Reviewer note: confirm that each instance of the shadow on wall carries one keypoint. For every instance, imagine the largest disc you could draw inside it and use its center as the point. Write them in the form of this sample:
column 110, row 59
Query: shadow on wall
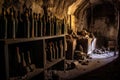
column 104, row 32
column 102, row 21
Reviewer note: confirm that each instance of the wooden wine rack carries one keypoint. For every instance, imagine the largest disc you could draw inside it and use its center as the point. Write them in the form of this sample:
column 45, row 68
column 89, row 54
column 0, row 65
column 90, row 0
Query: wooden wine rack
column 36, row 63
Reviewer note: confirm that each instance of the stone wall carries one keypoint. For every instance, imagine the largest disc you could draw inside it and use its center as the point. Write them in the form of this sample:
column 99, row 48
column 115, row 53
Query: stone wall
column 103, row 22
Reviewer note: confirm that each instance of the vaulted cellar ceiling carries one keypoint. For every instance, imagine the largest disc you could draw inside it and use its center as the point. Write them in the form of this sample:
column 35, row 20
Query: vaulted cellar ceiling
column 58, row 7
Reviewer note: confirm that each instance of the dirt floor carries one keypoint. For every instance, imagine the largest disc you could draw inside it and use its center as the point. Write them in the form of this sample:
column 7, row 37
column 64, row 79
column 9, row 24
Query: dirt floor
column 110, row 71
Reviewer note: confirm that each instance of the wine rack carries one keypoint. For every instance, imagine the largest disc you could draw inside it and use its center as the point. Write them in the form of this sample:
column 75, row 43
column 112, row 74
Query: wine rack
column 26, row 58
column 30, row 44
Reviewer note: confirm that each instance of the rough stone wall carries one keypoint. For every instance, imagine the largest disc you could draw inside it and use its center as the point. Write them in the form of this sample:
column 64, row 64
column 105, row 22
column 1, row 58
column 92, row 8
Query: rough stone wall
column 81, row 17
column 105, row 23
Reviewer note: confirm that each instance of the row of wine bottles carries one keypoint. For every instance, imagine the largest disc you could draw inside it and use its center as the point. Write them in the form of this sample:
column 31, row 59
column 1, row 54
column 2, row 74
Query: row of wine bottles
column 21, row 63
column 14, row 24
column 54, row 50
column 24, row 59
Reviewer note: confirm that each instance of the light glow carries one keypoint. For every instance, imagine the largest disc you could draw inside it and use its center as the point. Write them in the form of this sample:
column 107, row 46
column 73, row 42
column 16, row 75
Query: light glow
column 74, row 6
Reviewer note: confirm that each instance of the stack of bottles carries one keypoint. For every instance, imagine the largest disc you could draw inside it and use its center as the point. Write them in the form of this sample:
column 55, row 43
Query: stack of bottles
column 23, row 62
column 28, row 24
column 54, row 50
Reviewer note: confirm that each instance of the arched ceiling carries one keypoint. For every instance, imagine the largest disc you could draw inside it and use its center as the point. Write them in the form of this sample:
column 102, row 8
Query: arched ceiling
column 88, row 3
column 58, row 7
column 74, row 6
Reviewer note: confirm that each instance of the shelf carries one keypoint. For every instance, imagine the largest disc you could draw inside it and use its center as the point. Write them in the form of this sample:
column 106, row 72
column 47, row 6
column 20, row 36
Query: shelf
column 53, row 62
column 30, row 50
column 51, row 37
column 34, row 73
column 29, row 75
column 19, row 40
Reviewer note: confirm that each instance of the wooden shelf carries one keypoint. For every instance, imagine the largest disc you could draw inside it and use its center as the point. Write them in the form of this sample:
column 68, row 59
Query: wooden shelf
column 32, row 74
column 19, row 40
column 53, row 62
column 51, row 37
column 25, row 49
column 28, row 75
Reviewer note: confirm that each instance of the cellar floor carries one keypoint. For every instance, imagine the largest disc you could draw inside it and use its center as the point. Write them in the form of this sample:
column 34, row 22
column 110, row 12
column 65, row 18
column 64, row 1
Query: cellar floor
column 100, row 67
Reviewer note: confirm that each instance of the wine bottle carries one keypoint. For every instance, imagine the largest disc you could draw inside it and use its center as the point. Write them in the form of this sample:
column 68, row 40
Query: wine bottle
column 23, row 60
column 53, row 50
column 44, row 25
column 40, row 26
column 26, row 25
column 18, row 55
column 30, row 65
column 3, row 25
column 48, row 26
column 65, row 27
column 61, row 48
column 62, row 27
column 52, row 26
column 31, row 19
column 55, row 25
column 19, row 67
column 56, row 50
column 50, row 51
column 16, row 24
column 20, row 27
column 11, row 24
column 35, row 25
column 29, row 58
column 47, row 52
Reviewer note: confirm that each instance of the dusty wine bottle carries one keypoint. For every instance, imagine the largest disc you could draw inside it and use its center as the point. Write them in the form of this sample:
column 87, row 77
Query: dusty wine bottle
column 18, row 55
column 35, row 25
column 56, row 50
column 47, row 52
column 3, row 25
column 20, row 27
column 25, row 63
column 40, row 26
column 44, row 25
column 16, row 23
column 61, row 48
column 53, row 50
column 52, row 26
column 31, row 19
column 29, row 57
column 11, row 24
column 19, row 66
column 50, row 50
column 62, row 27
column 26, row 25
column 55, row 27
column 30, row 65
column 23, row 60
column 48, row 26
